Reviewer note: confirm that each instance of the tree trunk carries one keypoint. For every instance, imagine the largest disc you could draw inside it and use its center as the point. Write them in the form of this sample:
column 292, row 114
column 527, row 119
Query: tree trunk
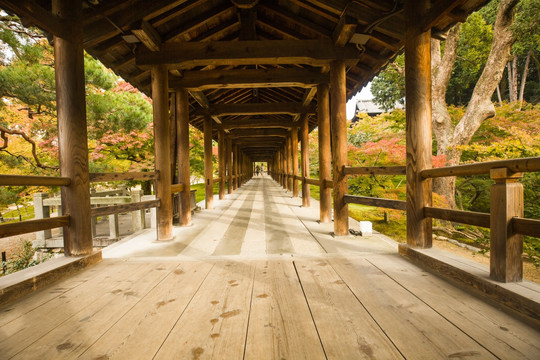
column 480, row 107
column 499, row 94
column 524, row 77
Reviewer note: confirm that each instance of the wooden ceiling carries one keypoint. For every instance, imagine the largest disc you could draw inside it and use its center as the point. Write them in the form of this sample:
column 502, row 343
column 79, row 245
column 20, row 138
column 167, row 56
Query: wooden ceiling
column 199, row 40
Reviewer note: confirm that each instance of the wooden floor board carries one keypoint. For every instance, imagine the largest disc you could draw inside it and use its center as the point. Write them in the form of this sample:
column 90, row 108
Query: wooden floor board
column 141, row 331
column 22, row 332
column 417, row 330
column 504, row 335
column 346, row 329
column 71, row 339
column 214, row 324
column 280, row 324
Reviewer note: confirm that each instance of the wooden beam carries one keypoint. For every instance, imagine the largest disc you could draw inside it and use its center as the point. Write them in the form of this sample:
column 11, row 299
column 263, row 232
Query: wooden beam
column 72, row 131
column 252, row 78
column 32, row 13
column 344, row 30
column 182, row 139
column 147, row 35
column 437, row 11
column 25, row 227
column 247, row 18
column 338, row 121
column 418, row 117
column 257, row 109
column 160, row 104
column 202, row 100
column 309, row 94
column 258, row 132
column 26, row 180
column 309, row 52
column 257, row 123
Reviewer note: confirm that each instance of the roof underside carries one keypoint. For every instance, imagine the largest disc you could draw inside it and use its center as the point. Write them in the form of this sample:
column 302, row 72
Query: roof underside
column 375, row 29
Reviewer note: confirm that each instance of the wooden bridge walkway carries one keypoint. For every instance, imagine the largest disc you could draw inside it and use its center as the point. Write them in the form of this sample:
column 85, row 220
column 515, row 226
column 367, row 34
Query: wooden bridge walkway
column 258, row 278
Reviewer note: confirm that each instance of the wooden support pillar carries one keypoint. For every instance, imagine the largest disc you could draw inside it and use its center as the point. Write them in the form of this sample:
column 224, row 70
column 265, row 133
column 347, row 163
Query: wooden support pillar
column 221, row 163
column 305, row 160
column 208, row 164
column 160, row 104
column 229, row 166
column 294, row 153
column 235, row 167
column 325, row 163
column 506, row 251
column 289, row 164
column 72, row 133
column 184, row 173
column 339, row 145
column 418, row 122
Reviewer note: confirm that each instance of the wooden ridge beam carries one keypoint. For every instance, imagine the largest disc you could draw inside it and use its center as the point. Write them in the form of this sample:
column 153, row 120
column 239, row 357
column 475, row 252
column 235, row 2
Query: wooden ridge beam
column 189, row 54
column 252, row 78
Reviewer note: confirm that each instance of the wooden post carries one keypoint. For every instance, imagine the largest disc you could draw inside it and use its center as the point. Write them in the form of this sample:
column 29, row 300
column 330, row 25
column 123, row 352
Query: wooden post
column 339, row 145
column 221, row 163
column 184, row 173
column 305, row 160
column 160, row 104
column 72, row 133
column 229, row 166
column 418, row 122
column 208, row 164
column 294, row 151
column 325, row 172
column 235, row 167
column 506, row 195
column 289, row 164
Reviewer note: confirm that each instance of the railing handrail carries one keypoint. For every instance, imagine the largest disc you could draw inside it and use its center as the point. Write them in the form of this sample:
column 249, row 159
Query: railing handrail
column 375, row 170
column 30, row 180
column 516, row 165
column 29, row 226
column 127, row 176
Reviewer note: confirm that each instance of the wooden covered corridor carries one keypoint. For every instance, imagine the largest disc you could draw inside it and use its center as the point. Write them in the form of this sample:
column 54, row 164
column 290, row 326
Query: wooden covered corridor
column 255, row 275
column 285, row 290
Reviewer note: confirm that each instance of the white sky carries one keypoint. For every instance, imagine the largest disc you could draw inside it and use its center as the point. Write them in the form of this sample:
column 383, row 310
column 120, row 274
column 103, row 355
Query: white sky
column 364, row 94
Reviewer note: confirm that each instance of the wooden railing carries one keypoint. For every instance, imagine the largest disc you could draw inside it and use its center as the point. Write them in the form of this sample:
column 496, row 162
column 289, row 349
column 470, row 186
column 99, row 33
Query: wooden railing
column 316, row 182
column 30, row 226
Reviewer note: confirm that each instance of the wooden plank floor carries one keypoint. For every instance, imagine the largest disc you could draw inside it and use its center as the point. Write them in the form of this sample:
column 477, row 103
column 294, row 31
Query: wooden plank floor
column 318, row 298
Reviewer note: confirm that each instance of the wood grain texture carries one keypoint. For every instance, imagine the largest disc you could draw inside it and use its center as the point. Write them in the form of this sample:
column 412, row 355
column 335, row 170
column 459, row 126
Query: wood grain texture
column 24, row 180
column 506, row 247
column 346, row 329
column 415, row 329
column 379, row 202
column 325, row 155
column 418, row 123
column 338, row 94
column 72, row 130
column 182, row 126
column 375, row 170
column 530, row 227
column 215, row 322
column 29, row 226
column 513, row 165
column 463, row 217
column 221, row 163
column 208, row 164
column 304, row 150
column 117, row 209
column 128, row 176
column 280, row 323
column 160, row 105
column 294, row 153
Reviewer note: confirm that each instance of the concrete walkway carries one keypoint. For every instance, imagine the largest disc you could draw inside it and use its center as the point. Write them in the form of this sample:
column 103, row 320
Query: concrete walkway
column 258, row 220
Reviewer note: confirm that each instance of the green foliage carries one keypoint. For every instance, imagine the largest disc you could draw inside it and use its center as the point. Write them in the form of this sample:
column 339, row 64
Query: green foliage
column 473, row 50
column 388, row 88
column 24, row 259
